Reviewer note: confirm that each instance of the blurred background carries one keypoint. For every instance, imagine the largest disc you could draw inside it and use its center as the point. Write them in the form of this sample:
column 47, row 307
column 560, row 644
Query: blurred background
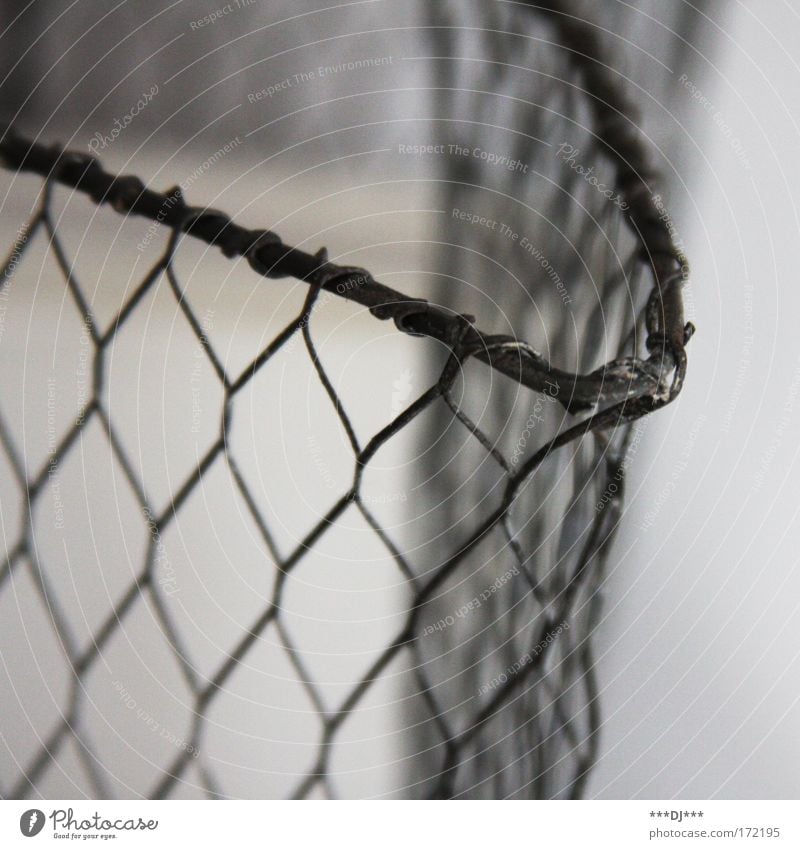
column 306, row 119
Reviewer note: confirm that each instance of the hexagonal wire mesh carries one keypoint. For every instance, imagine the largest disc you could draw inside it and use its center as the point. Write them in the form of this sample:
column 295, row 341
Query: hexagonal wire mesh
column 497, row 585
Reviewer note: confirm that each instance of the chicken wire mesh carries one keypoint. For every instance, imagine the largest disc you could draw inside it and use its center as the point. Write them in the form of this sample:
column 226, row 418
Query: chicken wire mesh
column 489, row 666
column 548, row 231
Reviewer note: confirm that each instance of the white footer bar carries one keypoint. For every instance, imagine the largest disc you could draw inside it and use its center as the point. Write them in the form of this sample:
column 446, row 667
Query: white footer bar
column 402, row 825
